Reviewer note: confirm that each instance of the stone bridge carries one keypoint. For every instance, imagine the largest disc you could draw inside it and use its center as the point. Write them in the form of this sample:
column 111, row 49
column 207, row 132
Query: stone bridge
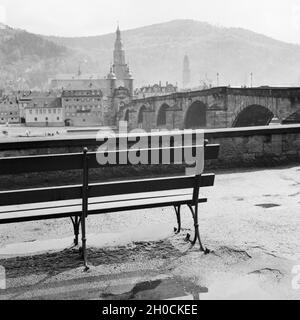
column 219, row 107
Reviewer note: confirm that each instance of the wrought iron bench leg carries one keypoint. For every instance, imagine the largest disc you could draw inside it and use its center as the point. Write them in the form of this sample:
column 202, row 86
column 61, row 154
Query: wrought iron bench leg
column 194, row 212
column 177, row 210
column 85, row 194
column 84, row 253
column 76, row 225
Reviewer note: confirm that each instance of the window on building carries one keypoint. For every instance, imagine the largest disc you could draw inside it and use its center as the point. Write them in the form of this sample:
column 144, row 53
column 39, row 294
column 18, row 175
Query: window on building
column 57, row 118
column 54, row 111
column 35, row 119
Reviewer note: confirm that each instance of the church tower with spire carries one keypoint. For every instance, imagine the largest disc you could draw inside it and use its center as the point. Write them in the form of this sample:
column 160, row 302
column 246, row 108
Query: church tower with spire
column 120, row 83
column 120, row 68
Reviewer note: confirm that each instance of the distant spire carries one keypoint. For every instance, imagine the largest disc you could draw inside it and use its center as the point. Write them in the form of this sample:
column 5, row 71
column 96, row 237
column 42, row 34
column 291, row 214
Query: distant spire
column 79, row 70
column 186, row 72
column 119, row 65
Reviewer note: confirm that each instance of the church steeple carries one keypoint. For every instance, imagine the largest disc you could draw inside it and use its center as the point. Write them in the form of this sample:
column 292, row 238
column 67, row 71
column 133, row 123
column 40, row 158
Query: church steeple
column 120, row 72
column 120, row 66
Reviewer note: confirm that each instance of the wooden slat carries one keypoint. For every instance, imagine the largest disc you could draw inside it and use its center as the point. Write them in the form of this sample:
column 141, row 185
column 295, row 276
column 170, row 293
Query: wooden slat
column 211, row 153
column 76, row 202
column 101, row 189
column 142, row 204
column 48, row 163
column 16, row 197
column 96, row 208
column 44, row 163
column 149, row 185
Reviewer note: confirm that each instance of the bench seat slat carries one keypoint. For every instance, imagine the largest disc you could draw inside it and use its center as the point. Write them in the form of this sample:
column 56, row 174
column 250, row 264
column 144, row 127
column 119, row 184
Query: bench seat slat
column 78, row 202
column 98, row 207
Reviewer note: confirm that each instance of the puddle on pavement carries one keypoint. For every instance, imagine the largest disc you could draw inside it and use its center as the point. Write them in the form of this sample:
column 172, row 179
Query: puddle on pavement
column 161, row 289
column 271, row 195
column 268, row 205
column 294, row 194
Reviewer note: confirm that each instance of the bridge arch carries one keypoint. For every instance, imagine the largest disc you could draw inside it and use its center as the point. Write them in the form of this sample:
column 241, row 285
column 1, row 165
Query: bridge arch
column 196, row 116
column 253, row 115
column 162, row 115
column 294, row 118
column 140, row 118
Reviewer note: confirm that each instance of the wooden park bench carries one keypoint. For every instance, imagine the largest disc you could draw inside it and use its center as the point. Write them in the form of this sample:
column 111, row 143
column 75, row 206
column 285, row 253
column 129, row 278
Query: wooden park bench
column 79, row 201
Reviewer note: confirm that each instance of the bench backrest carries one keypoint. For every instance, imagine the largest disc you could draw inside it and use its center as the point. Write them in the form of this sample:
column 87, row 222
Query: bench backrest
column 85, row 161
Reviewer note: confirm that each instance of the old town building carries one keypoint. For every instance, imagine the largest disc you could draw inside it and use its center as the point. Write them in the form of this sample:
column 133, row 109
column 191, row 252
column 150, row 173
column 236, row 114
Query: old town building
column 45, row 110
column 83, row 106
column 24, row 98
column 9, row 110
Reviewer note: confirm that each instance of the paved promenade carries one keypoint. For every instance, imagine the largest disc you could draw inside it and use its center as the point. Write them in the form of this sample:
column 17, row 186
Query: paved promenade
column 251, row 223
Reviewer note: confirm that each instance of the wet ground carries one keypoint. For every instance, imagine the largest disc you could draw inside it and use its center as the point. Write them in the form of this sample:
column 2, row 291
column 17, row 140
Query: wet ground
column 251, row 223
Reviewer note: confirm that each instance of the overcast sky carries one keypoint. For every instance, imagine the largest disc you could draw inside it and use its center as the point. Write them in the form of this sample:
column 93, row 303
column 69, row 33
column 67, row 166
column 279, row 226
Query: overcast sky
column 276, row 18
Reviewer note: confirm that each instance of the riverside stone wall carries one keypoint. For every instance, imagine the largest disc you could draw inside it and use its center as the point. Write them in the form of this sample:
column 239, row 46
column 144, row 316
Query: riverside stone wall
column 256, row 147
column 239, row 147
